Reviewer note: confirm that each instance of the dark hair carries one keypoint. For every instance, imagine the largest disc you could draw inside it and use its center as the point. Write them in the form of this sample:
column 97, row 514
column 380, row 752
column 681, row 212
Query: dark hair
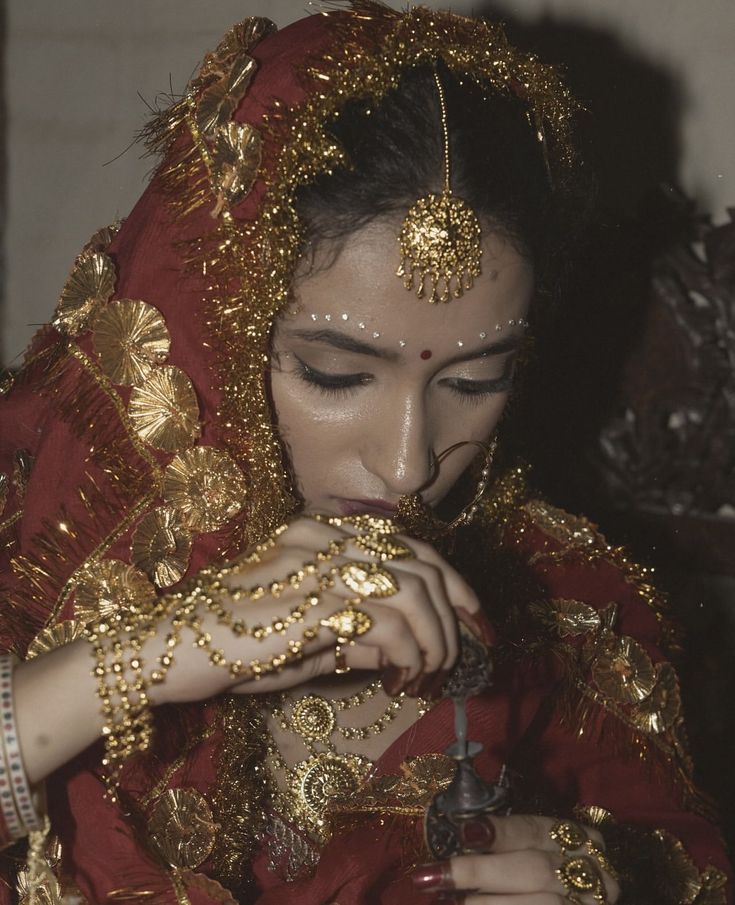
column 396, row 155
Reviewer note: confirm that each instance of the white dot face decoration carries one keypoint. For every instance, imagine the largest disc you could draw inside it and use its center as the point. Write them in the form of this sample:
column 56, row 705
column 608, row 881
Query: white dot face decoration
column 403, row 343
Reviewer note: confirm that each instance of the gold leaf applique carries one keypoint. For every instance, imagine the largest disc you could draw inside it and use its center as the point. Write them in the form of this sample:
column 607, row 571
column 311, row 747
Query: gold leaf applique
column 220, row 100
column 661, row 709
column 165, row 412
column 568, row 617
column 91, row 283
column 55, row 636
column 236, row 158
column 182, row 828
column 130, row 338
column 206, row 486
column 623, row 670
column 161, row 547
column 109, row 587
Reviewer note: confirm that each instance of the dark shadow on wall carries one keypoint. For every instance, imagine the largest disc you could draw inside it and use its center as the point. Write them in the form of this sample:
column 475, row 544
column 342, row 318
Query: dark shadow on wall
column 644, row 331
column 3, row 170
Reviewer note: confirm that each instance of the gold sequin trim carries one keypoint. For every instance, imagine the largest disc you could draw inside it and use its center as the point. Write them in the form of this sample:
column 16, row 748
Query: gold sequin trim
column 165, row 412
column 161, row 546
column 130, row 338
column 206, row 486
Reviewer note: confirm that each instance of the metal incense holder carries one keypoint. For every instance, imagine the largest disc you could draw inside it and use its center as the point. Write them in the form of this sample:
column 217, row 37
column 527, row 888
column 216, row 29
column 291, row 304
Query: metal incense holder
column 453, row 823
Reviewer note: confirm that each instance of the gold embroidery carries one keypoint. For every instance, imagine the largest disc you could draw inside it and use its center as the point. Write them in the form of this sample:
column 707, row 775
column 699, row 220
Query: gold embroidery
column 205, row 486
column 165, row 412
column 182, row 828
column 161, row 547
column 107, row 587
column 130, row 337
column 570, row 530
column 91, row 283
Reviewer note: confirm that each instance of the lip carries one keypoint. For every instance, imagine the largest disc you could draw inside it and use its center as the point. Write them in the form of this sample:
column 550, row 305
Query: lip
column 355, row 507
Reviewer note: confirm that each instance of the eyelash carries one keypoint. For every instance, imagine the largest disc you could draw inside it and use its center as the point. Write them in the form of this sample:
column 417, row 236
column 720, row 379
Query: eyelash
column 469, row 391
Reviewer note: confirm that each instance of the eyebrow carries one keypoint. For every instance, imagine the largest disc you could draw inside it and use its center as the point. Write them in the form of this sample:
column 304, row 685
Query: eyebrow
column 346, row 343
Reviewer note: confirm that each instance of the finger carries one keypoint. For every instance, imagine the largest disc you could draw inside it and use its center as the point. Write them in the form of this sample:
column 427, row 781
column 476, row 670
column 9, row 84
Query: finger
column 435, row 625
column 516, row 873
column 413, row 601
column 524, row 831
column 433, row 579
column 458, row 590
column 394, row 637
column 541, row 898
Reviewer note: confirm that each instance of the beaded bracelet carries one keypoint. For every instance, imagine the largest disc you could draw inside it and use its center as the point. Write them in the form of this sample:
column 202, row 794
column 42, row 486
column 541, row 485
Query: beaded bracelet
column 15, row 793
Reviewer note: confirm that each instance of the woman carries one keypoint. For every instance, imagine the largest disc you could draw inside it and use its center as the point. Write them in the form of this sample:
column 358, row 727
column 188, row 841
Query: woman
column 237, row 375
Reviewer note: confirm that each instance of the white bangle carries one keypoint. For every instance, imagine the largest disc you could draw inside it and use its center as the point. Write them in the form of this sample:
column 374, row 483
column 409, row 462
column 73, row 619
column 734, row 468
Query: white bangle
column 19, row 787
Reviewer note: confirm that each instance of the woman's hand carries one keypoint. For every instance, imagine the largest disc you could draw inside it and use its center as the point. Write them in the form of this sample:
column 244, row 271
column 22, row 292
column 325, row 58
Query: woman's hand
column 413, row 638
column 524, row 866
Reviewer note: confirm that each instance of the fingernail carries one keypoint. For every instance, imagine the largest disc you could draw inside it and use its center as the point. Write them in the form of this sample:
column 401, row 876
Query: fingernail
column 394, row 678
column 478, row 835
column 429, row 877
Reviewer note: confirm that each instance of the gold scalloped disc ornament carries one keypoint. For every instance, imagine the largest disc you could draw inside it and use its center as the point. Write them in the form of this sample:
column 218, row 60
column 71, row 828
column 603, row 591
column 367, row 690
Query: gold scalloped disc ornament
column 182, row 828
column 220, row 100
column 569, row 617
column 108, row 587
column 130, row 338
column 161, row 546
column 236, row 157
column 55, row 636
column 624, row 671
column 206, row 486
column 662, row 708
column 91, row 283
column 324, row 778
column 165, row 412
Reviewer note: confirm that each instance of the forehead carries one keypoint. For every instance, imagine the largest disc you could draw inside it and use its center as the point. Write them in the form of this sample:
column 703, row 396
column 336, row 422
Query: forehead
column 358, row 291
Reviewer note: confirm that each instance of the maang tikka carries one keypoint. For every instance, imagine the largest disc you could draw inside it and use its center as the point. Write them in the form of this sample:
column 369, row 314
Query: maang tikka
column 441, row 237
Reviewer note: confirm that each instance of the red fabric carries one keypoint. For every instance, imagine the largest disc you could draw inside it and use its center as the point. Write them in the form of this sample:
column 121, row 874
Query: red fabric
column 62, row 421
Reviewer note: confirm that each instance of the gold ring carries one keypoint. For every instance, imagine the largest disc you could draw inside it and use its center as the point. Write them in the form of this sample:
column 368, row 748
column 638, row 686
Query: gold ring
column 569, row 836
column 369, row 579
column 382, row 546
column 340, row 661
column 348, row 623
column 601, row 857
column 580, row 875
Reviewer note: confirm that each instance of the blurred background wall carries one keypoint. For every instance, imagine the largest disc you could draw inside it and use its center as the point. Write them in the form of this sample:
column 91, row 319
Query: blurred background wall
column 78, row 75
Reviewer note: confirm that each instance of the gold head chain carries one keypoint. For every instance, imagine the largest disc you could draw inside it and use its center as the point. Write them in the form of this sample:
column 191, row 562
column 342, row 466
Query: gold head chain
column 441, row 237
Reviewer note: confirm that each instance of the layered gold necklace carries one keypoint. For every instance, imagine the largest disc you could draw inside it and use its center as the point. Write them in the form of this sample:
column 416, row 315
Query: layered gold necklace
column 326, row 775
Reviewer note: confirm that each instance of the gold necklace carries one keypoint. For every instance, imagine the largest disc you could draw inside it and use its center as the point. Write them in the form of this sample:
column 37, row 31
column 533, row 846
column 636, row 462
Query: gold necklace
column 326, row 775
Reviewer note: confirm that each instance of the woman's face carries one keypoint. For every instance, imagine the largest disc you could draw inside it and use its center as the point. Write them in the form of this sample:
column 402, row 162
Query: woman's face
column 371, row 383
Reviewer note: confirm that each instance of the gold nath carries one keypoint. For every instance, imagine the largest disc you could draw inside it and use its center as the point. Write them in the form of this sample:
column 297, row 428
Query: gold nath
column 440, row 238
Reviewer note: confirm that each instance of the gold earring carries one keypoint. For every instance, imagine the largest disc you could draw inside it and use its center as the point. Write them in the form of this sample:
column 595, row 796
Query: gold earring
column 417, row 518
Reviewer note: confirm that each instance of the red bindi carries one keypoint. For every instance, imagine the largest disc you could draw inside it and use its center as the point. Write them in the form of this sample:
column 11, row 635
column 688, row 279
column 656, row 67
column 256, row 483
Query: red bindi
column 426, row 354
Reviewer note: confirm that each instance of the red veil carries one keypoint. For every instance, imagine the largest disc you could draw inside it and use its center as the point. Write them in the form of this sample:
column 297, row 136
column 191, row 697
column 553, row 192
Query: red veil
column 138, row 446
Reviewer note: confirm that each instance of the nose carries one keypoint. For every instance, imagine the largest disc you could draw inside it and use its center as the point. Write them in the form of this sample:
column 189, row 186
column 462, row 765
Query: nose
column 398, row 448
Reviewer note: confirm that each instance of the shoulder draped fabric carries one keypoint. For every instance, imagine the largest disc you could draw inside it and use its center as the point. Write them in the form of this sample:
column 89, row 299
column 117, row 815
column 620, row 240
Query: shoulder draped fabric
column 138, row 446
